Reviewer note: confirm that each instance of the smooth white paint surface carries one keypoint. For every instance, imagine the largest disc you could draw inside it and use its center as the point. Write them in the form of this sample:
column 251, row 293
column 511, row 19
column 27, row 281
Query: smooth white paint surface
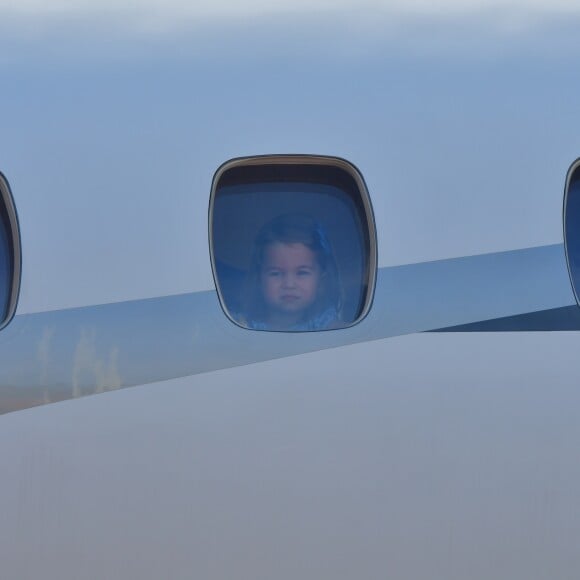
column 440, row 456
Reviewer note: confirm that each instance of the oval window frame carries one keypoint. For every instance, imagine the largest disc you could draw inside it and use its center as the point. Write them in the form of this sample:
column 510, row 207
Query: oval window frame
column 302, row 159
column 7, row 200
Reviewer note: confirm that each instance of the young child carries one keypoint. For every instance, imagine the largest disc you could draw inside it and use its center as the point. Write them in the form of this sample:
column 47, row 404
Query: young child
column 293, row 282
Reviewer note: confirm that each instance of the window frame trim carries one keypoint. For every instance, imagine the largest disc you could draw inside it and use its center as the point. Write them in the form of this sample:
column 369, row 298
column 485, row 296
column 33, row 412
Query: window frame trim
column 302, row 159
column 571, row 171
column 8, row 200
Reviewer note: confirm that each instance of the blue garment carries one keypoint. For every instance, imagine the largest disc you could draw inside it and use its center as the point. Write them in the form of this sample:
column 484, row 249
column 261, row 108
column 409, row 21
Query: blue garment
column 323, row 321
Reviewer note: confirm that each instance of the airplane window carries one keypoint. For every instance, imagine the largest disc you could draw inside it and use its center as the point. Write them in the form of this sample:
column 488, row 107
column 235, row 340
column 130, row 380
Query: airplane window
column 292, row 242
column 572, row 225
column 9, row 255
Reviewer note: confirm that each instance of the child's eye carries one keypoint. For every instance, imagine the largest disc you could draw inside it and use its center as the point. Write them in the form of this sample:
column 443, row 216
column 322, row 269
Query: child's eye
column 304, row 272
column 273, row 273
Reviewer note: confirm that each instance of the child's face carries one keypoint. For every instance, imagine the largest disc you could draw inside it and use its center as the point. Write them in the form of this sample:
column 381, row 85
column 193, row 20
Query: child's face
column 290, row 278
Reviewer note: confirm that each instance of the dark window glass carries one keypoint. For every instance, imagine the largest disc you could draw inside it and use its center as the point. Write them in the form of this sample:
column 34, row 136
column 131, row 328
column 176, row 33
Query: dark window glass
column 5, row 266
column 293, row 243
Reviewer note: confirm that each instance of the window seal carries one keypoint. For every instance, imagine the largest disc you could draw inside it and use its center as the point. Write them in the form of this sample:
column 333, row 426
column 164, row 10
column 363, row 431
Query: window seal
column 7, row 200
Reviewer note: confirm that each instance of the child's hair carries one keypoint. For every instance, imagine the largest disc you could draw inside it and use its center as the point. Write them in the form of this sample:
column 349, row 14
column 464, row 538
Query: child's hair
column 293, row 229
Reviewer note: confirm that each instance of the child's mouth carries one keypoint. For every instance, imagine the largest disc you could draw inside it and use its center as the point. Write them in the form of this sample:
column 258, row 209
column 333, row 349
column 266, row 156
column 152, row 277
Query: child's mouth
column 290, row 298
